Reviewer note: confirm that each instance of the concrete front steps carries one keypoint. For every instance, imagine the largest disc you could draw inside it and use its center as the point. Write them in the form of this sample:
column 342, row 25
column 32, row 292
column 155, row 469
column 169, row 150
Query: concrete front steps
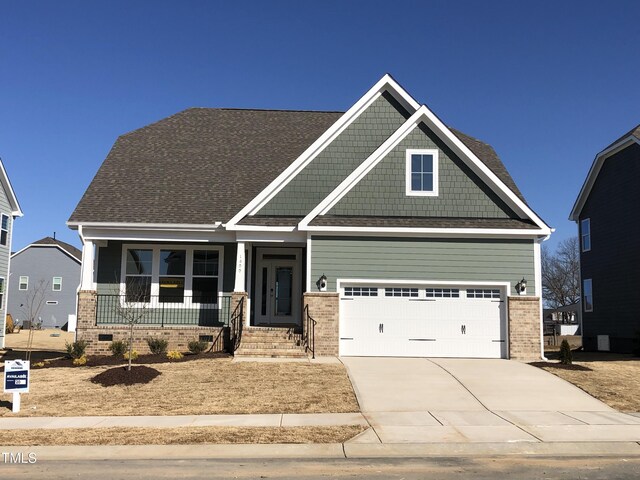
column 270, row 342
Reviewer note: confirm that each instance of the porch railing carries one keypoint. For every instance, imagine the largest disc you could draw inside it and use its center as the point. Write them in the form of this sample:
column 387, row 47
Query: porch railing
column 162, row 311
column 309, row 333
column 235, row 325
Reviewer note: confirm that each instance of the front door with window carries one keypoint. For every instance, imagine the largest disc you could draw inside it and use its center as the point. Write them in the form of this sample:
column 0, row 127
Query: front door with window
column 277, row 287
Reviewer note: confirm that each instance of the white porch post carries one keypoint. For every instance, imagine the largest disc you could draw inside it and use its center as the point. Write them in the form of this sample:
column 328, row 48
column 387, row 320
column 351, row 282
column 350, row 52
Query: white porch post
column 239, row 285
column 88, row 257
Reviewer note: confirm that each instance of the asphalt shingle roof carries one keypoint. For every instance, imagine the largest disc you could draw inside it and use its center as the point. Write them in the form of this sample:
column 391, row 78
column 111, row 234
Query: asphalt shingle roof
column 203, row 165
column 70, row 249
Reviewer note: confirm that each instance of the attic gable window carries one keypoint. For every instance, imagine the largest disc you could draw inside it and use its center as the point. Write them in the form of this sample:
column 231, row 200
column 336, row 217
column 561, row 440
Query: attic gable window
column 422, row 173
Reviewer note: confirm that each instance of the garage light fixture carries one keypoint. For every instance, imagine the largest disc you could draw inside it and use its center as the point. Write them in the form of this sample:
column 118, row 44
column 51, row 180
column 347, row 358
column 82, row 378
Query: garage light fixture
column 521, row 287
column 322, row 283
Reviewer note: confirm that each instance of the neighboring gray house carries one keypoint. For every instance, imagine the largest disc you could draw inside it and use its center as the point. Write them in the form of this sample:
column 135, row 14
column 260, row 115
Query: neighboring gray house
column 380, row 231
column 9, row 210
column 46, row 272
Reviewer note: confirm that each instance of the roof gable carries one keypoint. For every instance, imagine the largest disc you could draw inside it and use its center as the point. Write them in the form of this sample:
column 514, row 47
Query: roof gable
column 382, row 191
column 627, row 140
column 67, row 249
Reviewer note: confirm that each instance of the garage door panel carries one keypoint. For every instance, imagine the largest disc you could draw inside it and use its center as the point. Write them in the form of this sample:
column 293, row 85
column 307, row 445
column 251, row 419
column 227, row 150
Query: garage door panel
column 437, row 322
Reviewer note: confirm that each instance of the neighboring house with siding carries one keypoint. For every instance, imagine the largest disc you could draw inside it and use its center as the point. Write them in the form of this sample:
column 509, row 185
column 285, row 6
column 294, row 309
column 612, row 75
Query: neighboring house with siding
column 606, row 214
column 379, row 231
column 9, row 211
column 46, row 272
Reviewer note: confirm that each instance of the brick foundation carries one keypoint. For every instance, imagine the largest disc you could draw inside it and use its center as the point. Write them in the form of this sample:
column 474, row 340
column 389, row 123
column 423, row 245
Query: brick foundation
column 524, row 328
column 323, row 307
column 177, row 337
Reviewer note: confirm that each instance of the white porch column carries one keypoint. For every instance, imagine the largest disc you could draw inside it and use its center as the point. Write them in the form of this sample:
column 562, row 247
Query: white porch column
column 88, row 257
column 239, row 285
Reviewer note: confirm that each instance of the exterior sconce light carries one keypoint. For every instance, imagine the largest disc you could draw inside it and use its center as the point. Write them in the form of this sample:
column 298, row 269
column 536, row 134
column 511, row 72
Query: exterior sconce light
column 322, row 283
column 521, row 287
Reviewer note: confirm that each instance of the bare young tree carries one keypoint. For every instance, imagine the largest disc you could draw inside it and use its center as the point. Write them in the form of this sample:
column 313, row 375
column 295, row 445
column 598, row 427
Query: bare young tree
column 132, row 305
column 561, row 274
column 31, row 308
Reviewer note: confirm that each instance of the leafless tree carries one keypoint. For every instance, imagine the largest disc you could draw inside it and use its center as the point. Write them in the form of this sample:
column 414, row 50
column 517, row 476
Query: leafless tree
column 561, row 274
column 132, row 305
column 31, row 308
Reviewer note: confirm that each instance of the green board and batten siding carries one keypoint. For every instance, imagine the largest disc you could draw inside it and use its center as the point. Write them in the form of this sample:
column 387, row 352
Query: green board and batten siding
column 382, row 192
column 463, row 260
column 359, row 140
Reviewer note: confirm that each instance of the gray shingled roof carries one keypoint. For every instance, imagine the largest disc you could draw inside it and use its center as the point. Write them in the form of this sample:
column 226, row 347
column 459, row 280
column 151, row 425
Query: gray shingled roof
column 203, row 165
column 70, row 249
column 635, row 131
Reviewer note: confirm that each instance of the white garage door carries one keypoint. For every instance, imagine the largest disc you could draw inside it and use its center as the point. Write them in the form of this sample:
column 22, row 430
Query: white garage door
column 423, row 321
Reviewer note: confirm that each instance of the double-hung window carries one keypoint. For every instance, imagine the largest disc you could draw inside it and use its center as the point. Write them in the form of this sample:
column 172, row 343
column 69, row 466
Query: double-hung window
column 138, row 275
column 204, row 285
column 422, row 173
column 56, row 284
column 585, row 234
column 172, row 275
column 23, row 284
column 1, row 292
column 587, row 295
column 4, row 229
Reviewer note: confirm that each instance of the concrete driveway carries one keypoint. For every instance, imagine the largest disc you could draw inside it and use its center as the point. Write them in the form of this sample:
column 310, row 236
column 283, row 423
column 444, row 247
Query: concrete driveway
column 430, row 384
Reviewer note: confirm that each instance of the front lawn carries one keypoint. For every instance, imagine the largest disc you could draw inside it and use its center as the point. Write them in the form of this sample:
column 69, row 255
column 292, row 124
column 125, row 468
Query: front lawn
column 611, row 378
column 197, row 387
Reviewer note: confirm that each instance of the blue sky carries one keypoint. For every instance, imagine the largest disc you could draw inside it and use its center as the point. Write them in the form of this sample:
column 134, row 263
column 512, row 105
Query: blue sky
column 547, row 83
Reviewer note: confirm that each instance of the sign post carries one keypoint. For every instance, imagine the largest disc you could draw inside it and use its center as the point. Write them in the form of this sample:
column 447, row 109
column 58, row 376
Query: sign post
column 16, row 380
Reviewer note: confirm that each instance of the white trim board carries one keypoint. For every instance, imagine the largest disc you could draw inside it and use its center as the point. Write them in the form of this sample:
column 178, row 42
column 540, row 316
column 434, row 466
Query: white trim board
column 424, row 115
column 11, row 195
column 386, row 83
column 592, row 176
column 39, row 245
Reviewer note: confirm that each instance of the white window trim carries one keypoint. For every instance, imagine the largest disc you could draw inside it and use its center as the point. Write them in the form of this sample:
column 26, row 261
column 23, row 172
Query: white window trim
column 413, row 193
column 155, row 273
column 584, row 303
column 2, row 215
column 53, row 284
column 20, row 282
column 582, row 235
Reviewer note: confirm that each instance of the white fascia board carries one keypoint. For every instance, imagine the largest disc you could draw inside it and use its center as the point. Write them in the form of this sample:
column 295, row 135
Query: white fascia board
column 260, row 228
column 423, row 114
column 386, row 83
column 16, row 211
column 134, row 235
column 147, row 226
column 38, row 245
column 440, row 232
column 378, row 281
column 272, row 237
column 596, row 166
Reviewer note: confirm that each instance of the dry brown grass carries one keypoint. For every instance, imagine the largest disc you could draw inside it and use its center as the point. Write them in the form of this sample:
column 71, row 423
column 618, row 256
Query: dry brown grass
column 179, row 436
column 42, row 340
column 207, row 386
column 614, row 379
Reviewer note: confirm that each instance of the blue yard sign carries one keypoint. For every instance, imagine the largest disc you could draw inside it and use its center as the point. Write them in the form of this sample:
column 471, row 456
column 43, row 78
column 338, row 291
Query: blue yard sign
column 16, row 376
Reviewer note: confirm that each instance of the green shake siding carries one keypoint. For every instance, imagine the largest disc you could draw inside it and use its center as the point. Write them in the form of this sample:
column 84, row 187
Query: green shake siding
column 423, row 259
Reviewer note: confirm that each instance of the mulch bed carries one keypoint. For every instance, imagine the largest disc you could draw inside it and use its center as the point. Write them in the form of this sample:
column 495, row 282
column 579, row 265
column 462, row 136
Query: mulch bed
column 560, row 366
column 106, row 360
column 121, row 376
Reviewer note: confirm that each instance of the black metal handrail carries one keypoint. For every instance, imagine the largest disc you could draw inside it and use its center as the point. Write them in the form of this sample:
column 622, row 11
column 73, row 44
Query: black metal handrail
column 162, row 310
column 235, row 323
column 309, row 333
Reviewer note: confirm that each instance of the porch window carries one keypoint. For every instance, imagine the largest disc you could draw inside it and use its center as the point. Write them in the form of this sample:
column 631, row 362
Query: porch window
column 172, row 275
column 205, row 276
column 138, row 278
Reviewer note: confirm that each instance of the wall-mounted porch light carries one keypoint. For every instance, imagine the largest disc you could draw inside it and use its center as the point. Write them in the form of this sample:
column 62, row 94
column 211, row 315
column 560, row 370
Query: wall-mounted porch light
column 322, row 283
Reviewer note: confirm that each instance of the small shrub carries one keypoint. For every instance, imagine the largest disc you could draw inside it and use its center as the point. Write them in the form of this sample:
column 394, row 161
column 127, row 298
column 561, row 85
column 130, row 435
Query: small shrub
column 174, row 355
column 134, row 355
column 158, row 346
column 76, row 349
column 39, row 364
column 566, row 358
column 9, row 326
column 78, row 362
column 118, row 348
column 197, row 346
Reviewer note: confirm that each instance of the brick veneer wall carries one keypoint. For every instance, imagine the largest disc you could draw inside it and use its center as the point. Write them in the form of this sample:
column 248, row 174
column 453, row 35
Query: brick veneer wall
column 524, row 328
column 177, row 337
column 323, row 307
column 235, row 299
